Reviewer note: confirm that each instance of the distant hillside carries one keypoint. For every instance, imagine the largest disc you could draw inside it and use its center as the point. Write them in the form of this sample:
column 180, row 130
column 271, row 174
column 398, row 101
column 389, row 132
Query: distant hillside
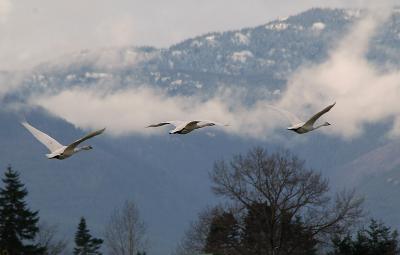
column 376, row 174
column 380, row 160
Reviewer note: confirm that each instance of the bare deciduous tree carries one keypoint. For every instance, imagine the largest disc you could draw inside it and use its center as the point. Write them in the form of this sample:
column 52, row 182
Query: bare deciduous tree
column 194, row 239
column 283, row 183
column 125, row 232
column 46, row 238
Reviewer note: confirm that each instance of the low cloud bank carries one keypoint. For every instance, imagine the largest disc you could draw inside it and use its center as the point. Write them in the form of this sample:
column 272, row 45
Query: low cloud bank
column 130, row 111
column 363, row 94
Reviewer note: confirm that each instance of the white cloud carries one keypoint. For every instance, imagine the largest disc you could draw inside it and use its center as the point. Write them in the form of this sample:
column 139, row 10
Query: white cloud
column 10, row 82
column 363, row 94
column 128, row 112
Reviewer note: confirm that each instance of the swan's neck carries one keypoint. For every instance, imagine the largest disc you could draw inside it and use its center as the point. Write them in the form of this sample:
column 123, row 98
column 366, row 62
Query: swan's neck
column 201, row 125
column 83, row 148
column 319, row 126
column 78, row 149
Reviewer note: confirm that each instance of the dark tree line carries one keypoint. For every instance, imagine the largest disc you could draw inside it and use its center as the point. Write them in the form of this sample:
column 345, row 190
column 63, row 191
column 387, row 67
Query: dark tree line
column 20, row 230
column 278, row 206
column 226, row 235
column 375, row 239
column 22, row 234
column 18, row 224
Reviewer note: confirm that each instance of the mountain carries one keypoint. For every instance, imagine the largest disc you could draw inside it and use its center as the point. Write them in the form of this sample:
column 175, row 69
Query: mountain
column 375, row 162
column 376, row 174
column 258, row 57
column 168, row 175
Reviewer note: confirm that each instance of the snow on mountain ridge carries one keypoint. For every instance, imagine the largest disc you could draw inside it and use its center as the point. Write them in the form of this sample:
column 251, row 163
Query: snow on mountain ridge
column 241, row 56
column 208, row 60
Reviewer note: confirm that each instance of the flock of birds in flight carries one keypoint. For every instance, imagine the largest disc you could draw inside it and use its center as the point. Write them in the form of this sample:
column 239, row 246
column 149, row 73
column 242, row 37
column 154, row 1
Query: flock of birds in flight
column 59, row 151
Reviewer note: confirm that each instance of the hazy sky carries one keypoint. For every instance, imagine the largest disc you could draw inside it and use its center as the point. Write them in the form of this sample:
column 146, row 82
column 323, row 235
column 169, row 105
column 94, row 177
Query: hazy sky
column 36, row 30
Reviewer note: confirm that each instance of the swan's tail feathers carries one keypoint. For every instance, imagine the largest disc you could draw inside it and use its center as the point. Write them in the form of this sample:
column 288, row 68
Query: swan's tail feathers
column 51, row 155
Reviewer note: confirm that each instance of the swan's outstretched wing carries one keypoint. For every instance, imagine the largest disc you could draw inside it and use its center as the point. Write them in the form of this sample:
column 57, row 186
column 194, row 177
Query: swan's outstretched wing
column 189, row 123
column 172, row 122
column 180, row 125
column 45, row 139
column 314, row 118
column 208, row 123
column 293, row 119
column 158, row 124
column 86, row 137
column 193, row 124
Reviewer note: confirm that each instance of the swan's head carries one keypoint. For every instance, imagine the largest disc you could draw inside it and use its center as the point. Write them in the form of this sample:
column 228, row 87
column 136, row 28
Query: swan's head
column 326, row 124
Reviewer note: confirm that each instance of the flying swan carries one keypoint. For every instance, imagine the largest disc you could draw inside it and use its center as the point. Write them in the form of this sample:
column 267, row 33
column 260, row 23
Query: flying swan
column 302, row 127
column 184, row 127
column 57, row 150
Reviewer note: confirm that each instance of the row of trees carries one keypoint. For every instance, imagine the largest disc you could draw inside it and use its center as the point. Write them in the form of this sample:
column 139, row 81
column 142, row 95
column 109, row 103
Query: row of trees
column 21, row 233
column 277, row 206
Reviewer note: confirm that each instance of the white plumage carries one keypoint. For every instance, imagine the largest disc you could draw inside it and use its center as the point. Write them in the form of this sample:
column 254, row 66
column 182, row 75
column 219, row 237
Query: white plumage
column 184, row 127
column 57, row 150
column 302, row 127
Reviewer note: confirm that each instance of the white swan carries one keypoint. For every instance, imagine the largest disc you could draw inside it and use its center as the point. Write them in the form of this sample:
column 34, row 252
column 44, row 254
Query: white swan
column 57, row 150
column 184, row 127
column 302, row 127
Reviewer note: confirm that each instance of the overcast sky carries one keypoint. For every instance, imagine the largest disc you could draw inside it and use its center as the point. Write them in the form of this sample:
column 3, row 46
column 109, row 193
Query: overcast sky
column 36, row 30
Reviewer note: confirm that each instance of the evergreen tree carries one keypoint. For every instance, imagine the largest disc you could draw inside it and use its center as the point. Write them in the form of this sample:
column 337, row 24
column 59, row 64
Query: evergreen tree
column 295, row 238
column 18, row 224
column 248, row 233
column 85, row 244
column 377, row 239
column 223, row 237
